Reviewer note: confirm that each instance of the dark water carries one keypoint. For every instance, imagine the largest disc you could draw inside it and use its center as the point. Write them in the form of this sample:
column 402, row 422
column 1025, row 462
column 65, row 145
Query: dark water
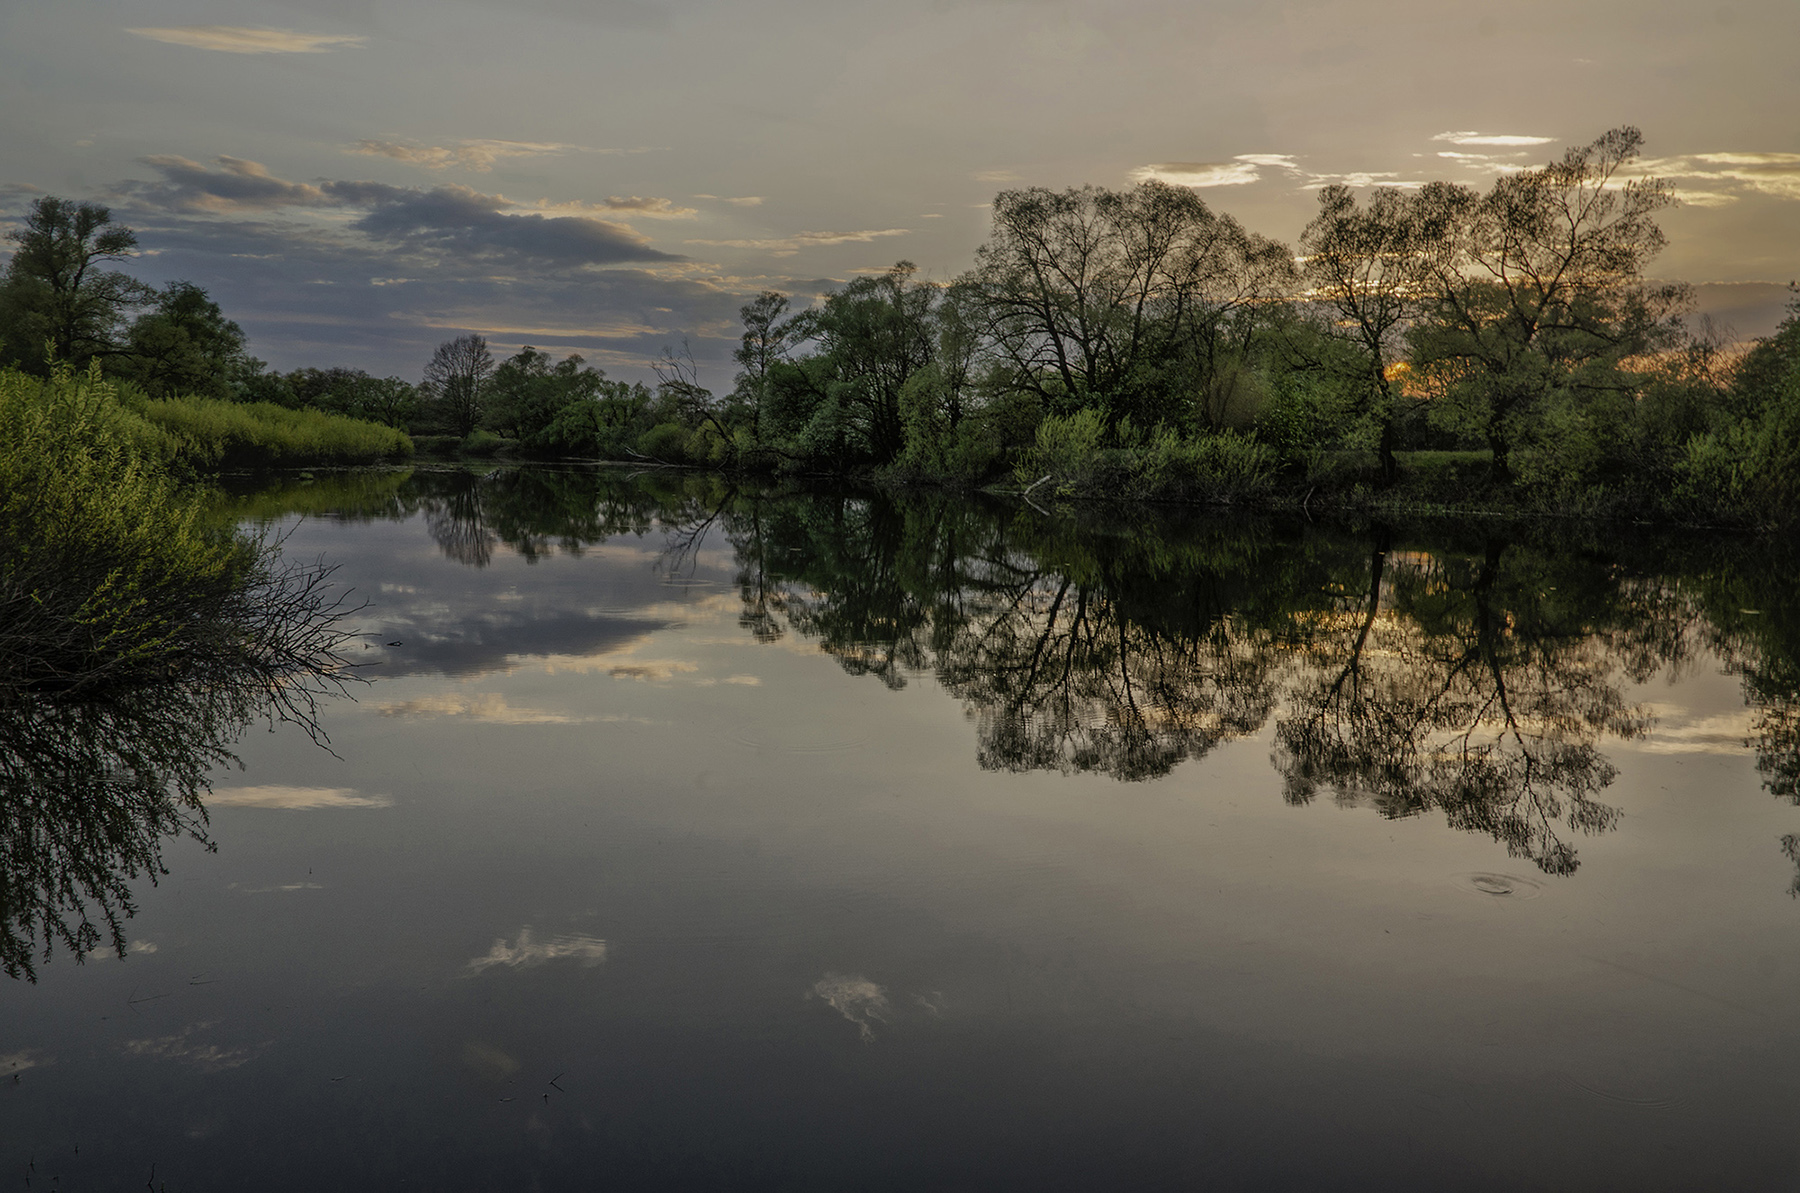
column 690, row 838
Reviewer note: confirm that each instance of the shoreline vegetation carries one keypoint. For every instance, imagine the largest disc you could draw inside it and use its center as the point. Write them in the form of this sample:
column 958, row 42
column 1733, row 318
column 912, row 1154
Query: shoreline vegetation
column 1433, row 351
column 139, row 638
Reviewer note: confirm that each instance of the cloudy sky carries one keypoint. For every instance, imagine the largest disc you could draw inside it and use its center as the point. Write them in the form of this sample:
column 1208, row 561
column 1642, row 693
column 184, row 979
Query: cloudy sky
column 356, row 180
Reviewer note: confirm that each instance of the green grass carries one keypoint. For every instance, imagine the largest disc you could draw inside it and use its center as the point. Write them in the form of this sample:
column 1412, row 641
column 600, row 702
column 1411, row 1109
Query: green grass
column 211, row 434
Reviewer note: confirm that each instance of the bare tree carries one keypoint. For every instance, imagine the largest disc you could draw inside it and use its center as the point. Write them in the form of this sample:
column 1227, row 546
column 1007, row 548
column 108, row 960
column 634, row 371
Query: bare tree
column 456, row 380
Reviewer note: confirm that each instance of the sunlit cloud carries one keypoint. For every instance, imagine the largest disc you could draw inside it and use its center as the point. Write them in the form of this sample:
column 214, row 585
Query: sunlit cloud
column 472, row 155
column 627, row 205
column 856, row 998
column 1497, row 139
column 527, row 953
column 1776, row 174
column 1198, row 174
column 739, row 200
column 786, row 246
column 995, row 176
column 294, row 799
column 1241, row 170
column 240, row 39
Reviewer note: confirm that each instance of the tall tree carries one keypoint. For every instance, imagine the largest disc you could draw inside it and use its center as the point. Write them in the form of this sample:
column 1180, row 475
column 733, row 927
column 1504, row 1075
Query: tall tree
column 768, row 337
column 1125, row 300
column 456, row 380
column 1537, row 288
column 185, row 345
column 54, row 290
column 1366, row 268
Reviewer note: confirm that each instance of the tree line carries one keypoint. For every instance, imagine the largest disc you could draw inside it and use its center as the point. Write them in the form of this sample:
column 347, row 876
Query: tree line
column 1447, row 344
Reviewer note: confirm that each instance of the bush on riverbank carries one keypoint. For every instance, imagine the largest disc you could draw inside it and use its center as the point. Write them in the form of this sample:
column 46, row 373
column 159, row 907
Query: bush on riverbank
column 108, row 571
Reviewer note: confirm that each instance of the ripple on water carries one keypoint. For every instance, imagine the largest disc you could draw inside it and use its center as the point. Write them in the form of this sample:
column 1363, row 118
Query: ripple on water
column 1499, row 886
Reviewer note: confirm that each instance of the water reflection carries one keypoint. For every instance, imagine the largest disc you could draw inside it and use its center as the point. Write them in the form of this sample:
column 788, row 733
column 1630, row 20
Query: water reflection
column 1480, row 675
column 92, row 787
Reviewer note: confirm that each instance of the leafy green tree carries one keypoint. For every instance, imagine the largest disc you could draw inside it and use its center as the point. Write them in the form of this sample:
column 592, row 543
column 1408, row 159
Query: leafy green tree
column 531, row 388
column 185, row 345
column 767, row 340
column 55, row 290
column 844, row 404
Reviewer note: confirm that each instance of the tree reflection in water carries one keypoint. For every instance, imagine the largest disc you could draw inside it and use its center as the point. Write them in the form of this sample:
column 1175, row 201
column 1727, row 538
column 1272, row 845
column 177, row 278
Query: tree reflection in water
column 1474, row 677
column 92, row 786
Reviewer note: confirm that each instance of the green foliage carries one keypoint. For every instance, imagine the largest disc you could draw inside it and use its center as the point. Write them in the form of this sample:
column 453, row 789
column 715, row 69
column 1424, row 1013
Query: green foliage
column 104, row 560
column 185, row 345
column 53, row 294
column 214, row 434
column 665, row 443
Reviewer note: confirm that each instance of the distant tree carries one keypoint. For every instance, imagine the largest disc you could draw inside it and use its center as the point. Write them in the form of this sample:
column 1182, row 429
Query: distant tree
column 185, row 345
column 456, row 382
column 54, row 291
column 531, row 388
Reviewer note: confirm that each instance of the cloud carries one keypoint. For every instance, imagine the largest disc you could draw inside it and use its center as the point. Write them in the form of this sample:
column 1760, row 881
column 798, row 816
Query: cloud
column 240, row 39
column 1498, row 139
column 856, row 998
column 488, row 707
column 18, row 1062
column 1776, row 174
column 463, row 221
column 237, row 185
column 653, row 670
column 527, row 953
column 208, row 1058
column 631, row 205
column 740, row 200
column 1198, row 174
column 995, row 176
column 1678, row 731
column 294, row 799
column 475, row 155
column 787, row 246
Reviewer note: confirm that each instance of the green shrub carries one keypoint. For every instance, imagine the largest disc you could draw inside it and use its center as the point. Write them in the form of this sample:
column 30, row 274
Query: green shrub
column 107, row 566
column 1064, row 449
column 665, row 442
column 483, row 443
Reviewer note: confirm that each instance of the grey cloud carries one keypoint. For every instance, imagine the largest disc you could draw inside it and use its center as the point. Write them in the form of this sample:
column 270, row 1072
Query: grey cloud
column 462, row 220
column 237, row 185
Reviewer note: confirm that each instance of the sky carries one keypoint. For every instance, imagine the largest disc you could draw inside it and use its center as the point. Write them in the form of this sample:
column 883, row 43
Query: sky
column 355, row 181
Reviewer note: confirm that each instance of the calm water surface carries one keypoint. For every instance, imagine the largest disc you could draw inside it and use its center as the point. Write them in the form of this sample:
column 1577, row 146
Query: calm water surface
column 691, row 838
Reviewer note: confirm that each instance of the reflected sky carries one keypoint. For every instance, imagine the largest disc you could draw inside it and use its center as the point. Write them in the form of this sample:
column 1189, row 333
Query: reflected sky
column 576, row 904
